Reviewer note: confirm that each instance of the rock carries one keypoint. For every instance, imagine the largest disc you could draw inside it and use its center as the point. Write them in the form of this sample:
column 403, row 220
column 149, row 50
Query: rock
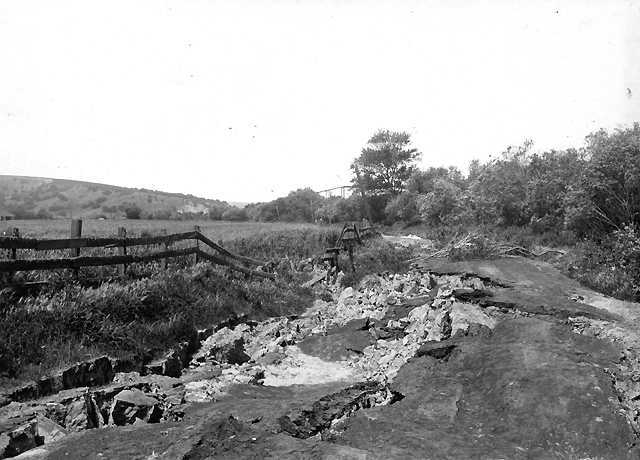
column 230, row 352
column 336, row 347
column 131, row 405
column 346, row 294
column 48, row 431
column 19, row 440
column 82, row 413
column 89, row 374
column 437, row 350
column 462, row 315
column 270, row 358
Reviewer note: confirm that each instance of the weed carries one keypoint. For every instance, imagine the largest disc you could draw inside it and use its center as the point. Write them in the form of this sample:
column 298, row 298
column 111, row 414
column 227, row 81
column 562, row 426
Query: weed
column 376, row 256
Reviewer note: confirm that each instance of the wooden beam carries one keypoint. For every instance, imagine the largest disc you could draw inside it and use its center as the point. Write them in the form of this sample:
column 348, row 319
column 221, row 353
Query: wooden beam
column 50, row 244
column 52, row 264
column 225, row 252
column 231, row 265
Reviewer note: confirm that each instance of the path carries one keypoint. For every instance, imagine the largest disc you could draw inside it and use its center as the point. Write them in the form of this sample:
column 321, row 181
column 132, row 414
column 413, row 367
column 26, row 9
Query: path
column 470, row 360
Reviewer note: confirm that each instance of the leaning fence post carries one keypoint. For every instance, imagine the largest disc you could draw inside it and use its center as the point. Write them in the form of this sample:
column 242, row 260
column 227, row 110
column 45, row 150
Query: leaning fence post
column 76, row 232
column 195, row 256
column 122, row 250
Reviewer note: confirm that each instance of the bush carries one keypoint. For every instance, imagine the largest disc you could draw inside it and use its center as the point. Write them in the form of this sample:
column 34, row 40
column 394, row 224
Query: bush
column 611, row 266
column 376, row 256
column 235, row 215
column 133, row 212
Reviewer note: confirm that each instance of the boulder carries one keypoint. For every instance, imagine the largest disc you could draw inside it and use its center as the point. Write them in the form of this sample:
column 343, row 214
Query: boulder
column 230, row 352
column 132, row 405
column 462, row 315
column 82, row 413
column 19, row 439
column 48, row 431
column 89, row 374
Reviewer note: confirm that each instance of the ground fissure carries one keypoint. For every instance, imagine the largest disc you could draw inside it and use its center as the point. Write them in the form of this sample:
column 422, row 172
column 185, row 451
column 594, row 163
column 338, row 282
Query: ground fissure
column 435, row 363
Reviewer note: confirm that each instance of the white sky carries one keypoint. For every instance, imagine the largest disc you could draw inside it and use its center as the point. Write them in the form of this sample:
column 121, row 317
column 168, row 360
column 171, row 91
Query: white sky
column 247, row 100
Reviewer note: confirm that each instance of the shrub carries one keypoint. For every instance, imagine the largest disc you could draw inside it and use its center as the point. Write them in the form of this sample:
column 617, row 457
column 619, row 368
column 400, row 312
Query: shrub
column 376, row 256
column 611, row 266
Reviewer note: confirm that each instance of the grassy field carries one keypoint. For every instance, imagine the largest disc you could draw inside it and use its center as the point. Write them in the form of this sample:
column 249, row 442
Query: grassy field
column 215, row 230
column 263, row 241
column 48, row 326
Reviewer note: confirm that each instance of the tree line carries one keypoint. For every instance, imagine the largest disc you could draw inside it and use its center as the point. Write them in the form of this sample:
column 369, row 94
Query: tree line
column 589, row 191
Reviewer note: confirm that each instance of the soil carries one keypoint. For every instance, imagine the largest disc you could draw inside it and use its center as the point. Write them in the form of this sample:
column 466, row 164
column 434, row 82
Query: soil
column 524, row 364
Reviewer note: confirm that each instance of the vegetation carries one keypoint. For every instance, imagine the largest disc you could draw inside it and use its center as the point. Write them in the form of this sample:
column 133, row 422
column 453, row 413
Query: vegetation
column 135, row 319
column 139, row 318
column 42, row 198
column 586, row 200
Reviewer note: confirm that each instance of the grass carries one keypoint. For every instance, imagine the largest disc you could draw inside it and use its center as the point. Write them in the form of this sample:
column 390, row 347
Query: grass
column 215, row 230
column 67, row 320
column 263, row 241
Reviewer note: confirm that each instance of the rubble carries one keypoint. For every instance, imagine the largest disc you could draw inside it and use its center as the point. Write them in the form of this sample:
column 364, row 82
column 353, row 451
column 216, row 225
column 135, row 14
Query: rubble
column 357, row 337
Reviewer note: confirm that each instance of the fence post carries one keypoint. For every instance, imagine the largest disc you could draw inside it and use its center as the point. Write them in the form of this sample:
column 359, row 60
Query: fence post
column 15, row 233
column 164, row 263
column 76, row 232
column 122, row 251
column 195, row 256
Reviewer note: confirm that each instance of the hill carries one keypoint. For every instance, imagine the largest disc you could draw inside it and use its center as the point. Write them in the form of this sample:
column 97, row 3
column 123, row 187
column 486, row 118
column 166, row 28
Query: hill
column 44, row 198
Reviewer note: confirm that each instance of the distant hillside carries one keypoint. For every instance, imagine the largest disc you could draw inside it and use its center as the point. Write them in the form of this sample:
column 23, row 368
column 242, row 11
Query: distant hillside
column 39, row 197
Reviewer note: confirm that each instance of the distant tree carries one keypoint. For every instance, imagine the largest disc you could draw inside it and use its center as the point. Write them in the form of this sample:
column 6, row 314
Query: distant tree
column 235, row 215
column 216, row 211
column 386, row 163
column 43, row 214
column 403, row 208
column 162, row 214
column 133, row 212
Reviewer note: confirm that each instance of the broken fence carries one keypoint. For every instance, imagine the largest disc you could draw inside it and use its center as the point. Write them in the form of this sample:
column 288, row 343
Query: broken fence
column 120, row 244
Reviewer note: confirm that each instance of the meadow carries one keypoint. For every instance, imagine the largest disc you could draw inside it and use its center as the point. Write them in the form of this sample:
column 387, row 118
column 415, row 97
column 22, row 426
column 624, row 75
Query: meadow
column 46, row 326
column 215, row 230
column 259, row 240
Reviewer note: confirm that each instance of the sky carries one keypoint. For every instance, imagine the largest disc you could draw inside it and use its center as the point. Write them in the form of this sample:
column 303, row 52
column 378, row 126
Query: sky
column 248, row 100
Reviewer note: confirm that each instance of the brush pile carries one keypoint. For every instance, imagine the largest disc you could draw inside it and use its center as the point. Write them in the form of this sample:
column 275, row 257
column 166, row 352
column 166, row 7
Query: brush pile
column 476, row 246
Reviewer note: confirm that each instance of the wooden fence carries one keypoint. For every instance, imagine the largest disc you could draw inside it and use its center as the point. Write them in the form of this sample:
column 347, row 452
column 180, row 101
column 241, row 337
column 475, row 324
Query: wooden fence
column 350, row 235
column 121, row 243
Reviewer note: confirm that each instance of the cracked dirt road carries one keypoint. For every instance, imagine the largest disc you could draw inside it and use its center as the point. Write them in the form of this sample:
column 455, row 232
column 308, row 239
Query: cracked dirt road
column 502, row 359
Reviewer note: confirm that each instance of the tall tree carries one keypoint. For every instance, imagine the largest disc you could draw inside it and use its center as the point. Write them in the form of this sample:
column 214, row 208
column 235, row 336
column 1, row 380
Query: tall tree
column 611, row 180
column 386, row 162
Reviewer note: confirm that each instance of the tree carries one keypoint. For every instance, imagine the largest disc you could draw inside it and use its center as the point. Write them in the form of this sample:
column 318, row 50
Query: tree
column 133, row 212
column 611, row 180
column 386, row 163
column 499, row 188
column 235, row 215
column 445, row 204
column 551, row 177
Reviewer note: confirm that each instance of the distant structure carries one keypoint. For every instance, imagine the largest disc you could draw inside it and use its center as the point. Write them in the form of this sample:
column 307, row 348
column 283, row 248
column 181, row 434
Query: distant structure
column 6, row 215
column 343, row 191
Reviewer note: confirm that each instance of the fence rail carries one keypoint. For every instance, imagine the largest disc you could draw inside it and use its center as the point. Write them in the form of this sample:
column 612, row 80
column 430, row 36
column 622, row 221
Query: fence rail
column 225, row 257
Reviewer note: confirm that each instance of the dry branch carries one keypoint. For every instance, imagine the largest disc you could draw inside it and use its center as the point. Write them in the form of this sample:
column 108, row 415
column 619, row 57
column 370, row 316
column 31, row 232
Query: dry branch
column 485, row 248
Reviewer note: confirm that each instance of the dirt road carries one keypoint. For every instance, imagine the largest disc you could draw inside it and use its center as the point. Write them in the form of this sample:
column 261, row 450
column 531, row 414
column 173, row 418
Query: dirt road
column 503, row 359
